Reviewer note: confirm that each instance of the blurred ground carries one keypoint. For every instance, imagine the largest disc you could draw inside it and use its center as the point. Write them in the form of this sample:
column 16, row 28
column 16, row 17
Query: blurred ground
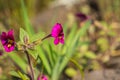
column 104, row 41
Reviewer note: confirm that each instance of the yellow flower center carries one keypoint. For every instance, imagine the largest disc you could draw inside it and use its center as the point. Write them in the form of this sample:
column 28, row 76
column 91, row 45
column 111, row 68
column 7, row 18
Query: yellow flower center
column 10, row 42
column 9, row 45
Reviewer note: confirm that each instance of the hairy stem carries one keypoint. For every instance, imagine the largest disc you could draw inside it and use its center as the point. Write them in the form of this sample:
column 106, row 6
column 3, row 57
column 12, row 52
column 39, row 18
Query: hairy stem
column 30, row 64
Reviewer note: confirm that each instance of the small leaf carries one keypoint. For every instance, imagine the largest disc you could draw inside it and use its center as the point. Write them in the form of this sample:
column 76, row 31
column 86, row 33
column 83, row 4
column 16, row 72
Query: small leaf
column 103, row 44
column 70, row 72
column 90, row 55
column 24, row 37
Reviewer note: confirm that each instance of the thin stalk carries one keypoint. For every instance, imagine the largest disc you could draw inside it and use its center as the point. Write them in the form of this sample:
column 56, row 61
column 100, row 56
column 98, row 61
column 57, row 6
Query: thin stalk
column 46, row 37
column 30, row 64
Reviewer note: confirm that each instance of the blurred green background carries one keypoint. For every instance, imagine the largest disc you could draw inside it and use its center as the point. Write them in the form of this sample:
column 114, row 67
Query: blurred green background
column 91, row 46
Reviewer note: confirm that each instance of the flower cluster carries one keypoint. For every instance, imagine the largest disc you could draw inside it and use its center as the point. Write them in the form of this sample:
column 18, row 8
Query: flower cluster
column 9, row 44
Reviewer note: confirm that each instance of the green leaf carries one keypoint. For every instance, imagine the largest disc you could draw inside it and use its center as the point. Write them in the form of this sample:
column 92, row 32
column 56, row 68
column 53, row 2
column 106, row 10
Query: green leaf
column 14, row 73
column 70, row 72
column 44, row 59
column 19, row 75
column 70, row 37
column 23, row 76
column 50, row 53
column 23, row 34
column 90, row 55
column 65, row 26
column 72, row 34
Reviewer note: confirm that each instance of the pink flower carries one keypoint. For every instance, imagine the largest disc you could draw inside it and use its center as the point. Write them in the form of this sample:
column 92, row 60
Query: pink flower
column 57, row 33
column 43, row 77
column 7, row 40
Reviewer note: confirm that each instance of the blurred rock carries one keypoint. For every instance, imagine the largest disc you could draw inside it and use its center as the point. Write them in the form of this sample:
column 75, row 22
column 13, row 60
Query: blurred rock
column 49, row 17
column 107, row 74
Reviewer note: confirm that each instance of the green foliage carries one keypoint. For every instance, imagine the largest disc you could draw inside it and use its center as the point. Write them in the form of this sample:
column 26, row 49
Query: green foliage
column 53, row 58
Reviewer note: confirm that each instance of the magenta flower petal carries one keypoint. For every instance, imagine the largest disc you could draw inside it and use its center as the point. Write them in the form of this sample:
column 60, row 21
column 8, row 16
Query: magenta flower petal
column 3, row 37
column 56, row 41
column 56, row 30
column 57, row 33
column 7, row 49
column 62, row 40
column 7, row 40
column 43, row 77
column 10, row 34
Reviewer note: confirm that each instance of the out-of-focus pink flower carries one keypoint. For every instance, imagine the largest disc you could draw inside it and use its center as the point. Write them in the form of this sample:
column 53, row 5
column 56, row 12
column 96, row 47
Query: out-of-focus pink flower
column 7, row 40
column 82, row 17
column 57, row 33
column 43, row 77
